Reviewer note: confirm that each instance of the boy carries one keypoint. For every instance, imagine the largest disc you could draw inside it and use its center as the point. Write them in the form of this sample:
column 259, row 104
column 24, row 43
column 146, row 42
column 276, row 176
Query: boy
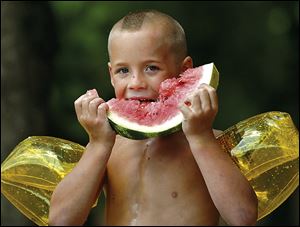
column 181, row 179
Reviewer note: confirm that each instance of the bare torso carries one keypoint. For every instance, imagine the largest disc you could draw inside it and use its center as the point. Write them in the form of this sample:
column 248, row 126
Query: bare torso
column 156, row 182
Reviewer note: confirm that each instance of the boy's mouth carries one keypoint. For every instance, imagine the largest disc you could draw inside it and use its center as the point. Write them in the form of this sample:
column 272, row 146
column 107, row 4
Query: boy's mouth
column 142, row 99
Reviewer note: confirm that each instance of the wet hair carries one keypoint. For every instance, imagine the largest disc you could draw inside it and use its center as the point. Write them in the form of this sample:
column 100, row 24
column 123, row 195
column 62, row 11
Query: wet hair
column 134, row 21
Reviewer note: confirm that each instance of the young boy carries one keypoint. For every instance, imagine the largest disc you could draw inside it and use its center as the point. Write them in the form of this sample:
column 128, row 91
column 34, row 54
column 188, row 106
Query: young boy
column 181, row 179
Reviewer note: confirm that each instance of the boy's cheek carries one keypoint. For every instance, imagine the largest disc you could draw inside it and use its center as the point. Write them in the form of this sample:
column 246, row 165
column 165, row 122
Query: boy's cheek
column 119, row 93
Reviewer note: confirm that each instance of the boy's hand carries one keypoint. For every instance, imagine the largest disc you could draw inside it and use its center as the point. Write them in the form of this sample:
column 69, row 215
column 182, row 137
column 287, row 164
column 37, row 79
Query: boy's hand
column 91, row 114
column 199, row 111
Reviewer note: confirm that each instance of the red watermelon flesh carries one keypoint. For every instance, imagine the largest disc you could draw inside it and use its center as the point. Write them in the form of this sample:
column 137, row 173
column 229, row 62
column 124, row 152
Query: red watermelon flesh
column 171, row 92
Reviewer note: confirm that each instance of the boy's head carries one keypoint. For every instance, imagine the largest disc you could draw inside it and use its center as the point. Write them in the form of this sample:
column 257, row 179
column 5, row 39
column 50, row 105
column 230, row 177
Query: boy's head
column 158, row 22
column 144, row 49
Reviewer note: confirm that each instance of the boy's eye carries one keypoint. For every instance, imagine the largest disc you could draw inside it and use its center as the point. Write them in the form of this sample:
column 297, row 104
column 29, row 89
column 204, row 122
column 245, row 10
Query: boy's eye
column 123, row 70
column 152, row 68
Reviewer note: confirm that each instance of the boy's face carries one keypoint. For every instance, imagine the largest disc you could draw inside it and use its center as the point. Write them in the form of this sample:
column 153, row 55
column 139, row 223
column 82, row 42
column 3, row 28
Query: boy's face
column 139, row 62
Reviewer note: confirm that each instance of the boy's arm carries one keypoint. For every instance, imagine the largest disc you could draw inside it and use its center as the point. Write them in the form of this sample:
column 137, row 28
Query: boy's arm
column 74, row 196
column 230, row 191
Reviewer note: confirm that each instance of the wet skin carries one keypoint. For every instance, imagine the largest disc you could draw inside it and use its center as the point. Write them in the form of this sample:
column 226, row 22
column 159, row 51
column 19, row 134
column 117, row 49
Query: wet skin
column 156, row 182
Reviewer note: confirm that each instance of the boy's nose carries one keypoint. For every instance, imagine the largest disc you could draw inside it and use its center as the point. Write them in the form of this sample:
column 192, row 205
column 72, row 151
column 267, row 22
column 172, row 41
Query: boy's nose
column 137, row 82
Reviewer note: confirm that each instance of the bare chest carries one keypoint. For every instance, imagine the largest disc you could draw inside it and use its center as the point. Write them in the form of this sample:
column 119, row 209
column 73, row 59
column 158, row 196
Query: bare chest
column 151, row 176
column 152, row 168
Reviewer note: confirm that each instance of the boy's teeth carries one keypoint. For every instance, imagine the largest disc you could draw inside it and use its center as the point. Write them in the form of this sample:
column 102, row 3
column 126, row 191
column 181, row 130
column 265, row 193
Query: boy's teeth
column 146, row 100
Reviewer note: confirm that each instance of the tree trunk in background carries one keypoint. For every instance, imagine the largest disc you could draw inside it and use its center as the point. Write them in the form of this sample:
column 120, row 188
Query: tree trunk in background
column 26, row 65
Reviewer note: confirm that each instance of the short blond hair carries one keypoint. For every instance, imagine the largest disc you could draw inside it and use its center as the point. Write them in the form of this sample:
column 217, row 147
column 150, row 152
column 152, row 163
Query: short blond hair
column 134, row 21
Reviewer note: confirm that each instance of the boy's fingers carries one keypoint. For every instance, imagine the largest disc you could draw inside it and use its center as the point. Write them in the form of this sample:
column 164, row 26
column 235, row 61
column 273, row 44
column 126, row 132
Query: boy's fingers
column 102, row 108
column 196, row 102
column 78, row 105
column 94, row 92
column 88, row 97
column 205, row 99
column 214, row 100
column 93, row 105
column 185, row 110
column 85, row 103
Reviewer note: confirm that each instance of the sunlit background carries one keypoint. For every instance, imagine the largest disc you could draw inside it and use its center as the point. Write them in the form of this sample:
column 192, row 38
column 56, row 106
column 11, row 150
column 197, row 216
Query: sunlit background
column 52, row 52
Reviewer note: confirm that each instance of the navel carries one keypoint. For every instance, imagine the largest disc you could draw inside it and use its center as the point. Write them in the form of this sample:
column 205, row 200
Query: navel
column 174, row 195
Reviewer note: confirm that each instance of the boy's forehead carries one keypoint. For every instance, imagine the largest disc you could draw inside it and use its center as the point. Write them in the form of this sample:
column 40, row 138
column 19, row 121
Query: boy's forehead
column 143, row 39
column 140, row 45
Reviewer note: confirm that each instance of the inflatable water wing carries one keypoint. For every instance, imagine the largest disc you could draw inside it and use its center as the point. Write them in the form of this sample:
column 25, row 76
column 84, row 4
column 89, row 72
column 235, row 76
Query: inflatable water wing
column 33, row 169
column 264, row 147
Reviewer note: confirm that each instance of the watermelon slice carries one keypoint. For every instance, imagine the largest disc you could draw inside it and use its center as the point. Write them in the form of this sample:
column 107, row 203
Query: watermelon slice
column 136, row 119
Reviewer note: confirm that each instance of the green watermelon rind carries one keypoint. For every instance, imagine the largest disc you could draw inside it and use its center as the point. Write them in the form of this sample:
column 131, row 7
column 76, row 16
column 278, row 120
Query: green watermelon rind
column 139, row 135
column 130, row 130
column 135, row 131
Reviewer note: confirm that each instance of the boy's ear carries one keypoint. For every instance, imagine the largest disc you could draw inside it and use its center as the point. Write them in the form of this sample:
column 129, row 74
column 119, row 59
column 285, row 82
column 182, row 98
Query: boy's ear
column 110, row 73
column 187, row 64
